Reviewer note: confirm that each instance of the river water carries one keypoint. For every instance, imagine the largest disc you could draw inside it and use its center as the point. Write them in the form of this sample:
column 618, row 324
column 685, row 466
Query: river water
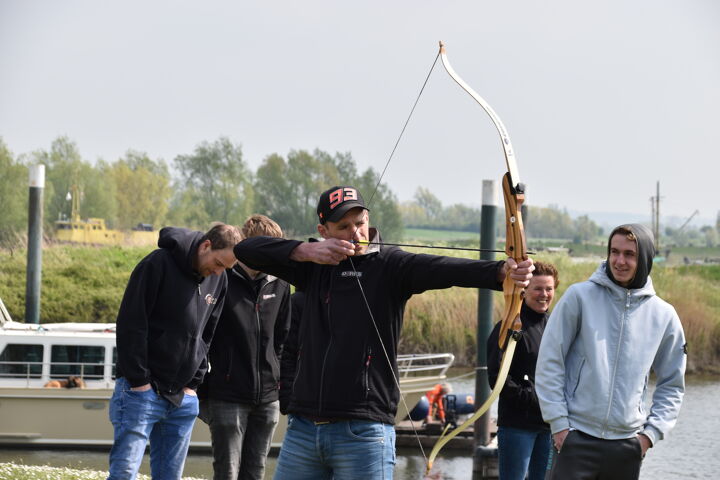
column 691, row 451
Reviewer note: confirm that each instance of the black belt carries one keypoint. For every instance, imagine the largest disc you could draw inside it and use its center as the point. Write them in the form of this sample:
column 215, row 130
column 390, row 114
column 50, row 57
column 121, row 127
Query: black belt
column 322, row 420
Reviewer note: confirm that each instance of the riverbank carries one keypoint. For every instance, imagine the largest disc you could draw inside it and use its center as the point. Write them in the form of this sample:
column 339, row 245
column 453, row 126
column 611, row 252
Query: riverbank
column 11, row 471
column 86, row 284
column 688, row 452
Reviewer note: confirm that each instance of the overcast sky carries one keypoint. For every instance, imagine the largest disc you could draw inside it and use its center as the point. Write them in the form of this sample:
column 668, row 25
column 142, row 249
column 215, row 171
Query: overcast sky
column 601, row 99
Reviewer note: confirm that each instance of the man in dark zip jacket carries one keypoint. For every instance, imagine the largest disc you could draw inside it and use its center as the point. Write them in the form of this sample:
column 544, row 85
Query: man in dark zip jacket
column 523, row 436
column 344, row 396
column 239, row 396
column 164, row 327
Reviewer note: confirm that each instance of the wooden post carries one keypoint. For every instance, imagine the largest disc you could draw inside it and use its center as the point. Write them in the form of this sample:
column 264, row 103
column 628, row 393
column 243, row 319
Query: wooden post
column 488, row 233
column 34, row 252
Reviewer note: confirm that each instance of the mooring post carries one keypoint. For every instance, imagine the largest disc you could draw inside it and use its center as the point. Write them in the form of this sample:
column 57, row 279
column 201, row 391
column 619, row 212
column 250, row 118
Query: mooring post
column 488, row 233
column 34, row 251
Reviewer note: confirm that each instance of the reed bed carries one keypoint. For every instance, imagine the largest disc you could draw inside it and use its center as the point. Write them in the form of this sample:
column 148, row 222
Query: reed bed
column 446, row 320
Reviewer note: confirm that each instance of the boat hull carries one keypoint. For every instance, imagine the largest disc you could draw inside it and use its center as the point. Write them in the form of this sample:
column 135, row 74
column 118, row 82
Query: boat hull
column 31, row 415
column 78, row 418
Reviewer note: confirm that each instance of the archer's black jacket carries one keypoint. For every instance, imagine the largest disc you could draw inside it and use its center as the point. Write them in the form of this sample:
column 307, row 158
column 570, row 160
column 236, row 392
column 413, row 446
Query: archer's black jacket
column 167, row 317
column 245, row 354
column 518, row 406
column 341, row 370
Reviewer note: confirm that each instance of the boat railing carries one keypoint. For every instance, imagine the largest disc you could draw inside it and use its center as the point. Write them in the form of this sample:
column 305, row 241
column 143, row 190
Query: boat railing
column 4, row 314
column 28, row 371
column 409, row 365
column 424, row 363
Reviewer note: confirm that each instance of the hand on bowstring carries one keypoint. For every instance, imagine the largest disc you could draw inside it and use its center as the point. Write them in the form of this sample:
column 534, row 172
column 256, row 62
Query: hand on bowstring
column 331, row 251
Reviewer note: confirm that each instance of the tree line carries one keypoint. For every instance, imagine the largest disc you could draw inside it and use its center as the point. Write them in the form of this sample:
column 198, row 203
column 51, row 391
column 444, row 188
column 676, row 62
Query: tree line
column 215, row 183
column 427, row 211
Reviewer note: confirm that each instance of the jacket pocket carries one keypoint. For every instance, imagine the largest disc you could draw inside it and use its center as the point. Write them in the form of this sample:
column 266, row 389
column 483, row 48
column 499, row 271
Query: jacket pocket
column 574, row 378
column 160, row 349
column 366, row 372
column 641, row 401
column 366, row 431
column 274, row 365
column 298, row 364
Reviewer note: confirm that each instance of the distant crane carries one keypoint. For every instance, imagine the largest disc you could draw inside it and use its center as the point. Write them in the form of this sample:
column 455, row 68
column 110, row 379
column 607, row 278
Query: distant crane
column 655, row 215
column 687, row 221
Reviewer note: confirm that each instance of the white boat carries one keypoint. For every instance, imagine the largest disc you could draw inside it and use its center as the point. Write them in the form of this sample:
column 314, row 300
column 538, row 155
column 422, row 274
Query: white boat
column 33, row 416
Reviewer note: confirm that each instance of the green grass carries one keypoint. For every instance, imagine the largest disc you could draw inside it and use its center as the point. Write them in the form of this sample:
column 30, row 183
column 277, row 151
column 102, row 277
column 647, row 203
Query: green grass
column 710, row 273
column 694, row 252
column 445, row 236
column 79, row 284
column 694, row 291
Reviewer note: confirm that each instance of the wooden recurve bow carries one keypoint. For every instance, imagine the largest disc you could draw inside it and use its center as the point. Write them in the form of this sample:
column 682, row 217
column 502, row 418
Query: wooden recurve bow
column 515, row 248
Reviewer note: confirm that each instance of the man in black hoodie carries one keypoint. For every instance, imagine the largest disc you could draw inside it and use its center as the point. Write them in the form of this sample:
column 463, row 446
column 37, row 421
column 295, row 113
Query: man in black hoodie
column 239, row 396
column 345, row 394
column 164, row 327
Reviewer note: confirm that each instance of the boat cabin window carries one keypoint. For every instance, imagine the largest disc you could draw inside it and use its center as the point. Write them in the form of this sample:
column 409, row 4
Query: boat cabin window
column 84, row 361
column 21, row 361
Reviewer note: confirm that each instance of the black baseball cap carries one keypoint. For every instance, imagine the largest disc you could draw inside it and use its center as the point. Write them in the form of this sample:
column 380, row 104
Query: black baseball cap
column 335, row 202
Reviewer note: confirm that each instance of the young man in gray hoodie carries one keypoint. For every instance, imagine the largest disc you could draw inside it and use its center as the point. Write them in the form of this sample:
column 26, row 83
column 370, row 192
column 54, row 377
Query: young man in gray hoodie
column 602, row 341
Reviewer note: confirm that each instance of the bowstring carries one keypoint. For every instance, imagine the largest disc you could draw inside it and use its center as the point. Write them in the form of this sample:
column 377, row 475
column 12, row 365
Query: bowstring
column 357, row 277
column 402, row 132
column 390, row 363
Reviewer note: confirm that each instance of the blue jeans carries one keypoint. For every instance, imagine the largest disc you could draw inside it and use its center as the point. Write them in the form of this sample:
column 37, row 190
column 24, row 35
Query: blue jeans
column 521, row 452
column 344, row 450
column 141, row 416
column 241, row 436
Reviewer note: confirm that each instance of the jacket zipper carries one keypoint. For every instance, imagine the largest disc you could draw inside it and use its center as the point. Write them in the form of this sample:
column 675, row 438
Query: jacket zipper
column 257, row 356
column 327, row 352
column 198, row 318
column 259, row 342
column 367, row 373
column 229, row 368
column 617, row 357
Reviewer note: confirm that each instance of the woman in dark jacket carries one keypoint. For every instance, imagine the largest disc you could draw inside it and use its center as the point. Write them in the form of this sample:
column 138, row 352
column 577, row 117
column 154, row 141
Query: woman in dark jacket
column 523, row 437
